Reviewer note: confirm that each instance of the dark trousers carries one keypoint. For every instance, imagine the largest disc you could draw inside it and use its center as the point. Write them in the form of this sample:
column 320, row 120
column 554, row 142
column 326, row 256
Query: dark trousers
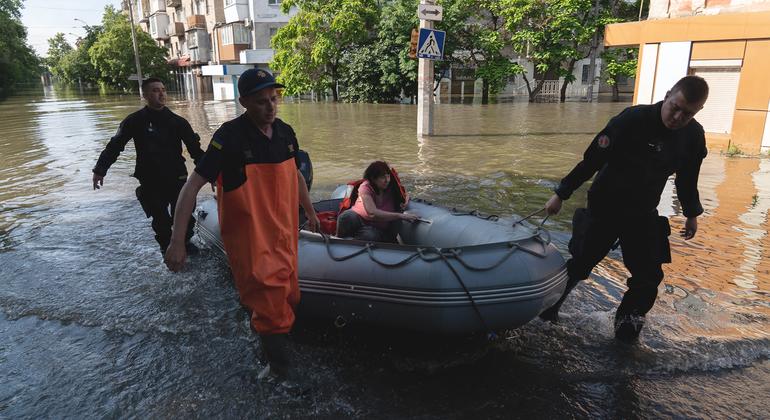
column 158, row 201
column 644, row 241
column 351, row 225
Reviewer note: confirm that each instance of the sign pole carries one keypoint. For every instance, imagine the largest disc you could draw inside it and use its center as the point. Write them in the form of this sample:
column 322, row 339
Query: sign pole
column 136, row 49
column 425, row 88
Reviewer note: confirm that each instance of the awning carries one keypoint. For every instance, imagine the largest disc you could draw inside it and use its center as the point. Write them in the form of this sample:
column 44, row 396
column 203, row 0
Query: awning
column 180, row 62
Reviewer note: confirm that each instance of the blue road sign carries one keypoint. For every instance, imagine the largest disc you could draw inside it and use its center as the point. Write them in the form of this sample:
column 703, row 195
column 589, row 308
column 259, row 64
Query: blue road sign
column 431, row 44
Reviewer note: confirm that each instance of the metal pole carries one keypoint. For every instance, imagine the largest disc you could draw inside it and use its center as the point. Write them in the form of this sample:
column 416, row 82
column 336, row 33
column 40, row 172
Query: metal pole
column 136, row 48
column 425, row 88
column 592, row 61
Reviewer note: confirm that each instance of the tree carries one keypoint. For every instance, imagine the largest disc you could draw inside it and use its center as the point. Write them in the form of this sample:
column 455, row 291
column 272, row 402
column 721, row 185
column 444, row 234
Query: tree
column 77, row 65
column 548, row 33
column 58, row 48
column 112, row 54
column 479, row 41
column 310, row 49
column 620, row 62
column 382, row 70
column 18, row 62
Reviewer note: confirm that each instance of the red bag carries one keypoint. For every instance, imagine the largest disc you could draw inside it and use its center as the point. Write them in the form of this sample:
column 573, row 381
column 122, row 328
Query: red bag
column 328, row 222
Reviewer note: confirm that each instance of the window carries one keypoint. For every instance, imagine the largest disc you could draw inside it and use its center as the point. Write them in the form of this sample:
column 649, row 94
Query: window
column 179, row 14
column 153, row 26
column 273, row 31
column 273, row 2
column 235, row 33
column 585, row 77
column 229, row 2
column 200, row 7
column 227, row 35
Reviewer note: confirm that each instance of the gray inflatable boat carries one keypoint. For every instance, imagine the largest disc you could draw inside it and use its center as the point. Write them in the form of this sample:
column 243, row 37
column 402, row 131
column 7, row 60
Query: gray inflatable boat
column 454, row 273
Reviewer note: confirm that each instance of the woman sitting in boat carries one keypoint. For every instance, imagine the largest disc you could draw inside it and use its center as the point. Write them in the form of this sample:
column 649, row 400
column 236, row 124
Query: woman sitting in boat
column 378, row 203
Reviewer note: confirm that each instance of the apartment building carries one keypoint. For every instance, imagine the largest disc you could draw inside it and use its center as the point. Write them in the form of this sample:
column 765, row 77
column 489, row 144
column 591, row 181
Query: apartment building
column 727, row 42
column 243, row 41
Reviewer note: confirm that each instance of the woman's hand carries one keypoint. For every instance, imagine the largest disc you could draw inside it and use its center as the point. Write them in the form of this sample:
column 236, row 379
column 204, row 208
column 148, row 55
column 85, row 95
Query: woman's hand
column 411, row 218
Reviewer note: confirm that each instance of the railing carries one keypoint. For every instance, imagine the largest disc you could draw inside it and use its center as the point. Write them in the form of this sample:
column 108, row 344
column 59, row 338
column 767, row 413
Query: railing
column 196, row 21
column 176, row 29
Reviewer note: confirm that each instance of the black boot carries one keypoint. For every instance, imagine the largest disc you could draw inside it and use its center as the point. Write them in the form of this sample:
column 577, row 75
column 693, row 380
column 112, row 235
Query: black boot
column 628, row 327
column 275, row 349
column 552, row 314
column 280, row 368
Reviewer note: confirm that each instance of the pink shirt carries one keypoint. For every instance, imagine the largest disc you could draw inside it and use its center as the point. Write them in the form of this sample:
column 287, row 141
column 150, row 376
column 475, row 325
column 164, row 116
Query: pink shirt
column 383, row 202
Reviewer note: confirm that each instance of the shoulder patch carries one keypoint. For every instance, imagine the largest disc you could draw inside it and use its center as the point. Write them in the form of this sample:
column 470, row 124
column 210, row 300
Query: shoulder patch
column 215, row 144
column 603, row 141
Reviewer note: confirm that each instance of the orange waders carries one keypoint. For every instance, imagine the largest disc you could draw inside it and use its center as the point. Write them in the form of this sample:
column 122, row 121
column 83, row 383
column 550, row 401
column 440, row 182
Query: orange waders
column 259, row 222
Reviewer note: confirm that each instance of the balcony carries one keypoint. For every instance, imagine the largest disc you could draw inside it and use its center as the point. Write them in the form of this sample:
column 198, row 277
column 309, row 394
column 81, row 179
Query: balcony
column 176, row 29
column 197, row 38
column 173, row 3
column 257, row 56
column 196, row 21
column 159, row 26
column 200, row 55
column 236, row 10
column 157, row 6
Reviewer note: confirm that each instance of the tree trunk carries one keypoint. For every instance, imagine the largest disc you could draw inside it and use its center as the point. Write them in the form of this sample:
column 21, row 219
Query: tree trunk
column 615, row 92
column 570, row 69
column 534, row 92
column 484, row 92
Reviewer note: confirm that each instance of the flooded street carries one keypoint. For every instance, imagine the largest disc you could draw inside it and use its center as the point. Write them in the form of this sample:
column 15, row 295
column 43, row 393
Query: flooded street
column 93, row 325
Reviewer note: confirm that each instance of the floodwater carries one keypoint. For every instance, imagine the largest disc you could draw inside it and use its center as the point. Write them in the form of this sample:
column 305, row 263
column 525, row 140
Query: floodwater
column 93, row 325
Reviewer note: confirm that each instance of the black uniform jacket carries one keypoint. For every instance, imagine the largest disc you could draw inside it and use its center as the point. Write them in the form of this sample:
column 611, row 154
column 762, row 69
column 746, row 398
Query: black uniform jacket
column 238, row 143
column 157, row 136
column 634, row 156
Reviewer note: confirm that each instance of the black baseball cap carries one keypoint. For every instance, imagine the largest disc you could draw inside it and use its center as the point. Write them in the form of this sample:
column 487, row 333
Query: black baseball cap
column 254, row 80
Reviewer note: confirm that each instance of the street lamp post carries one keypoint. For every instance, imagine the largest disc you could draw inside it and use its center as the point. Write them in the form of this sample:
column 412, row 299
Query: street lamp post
column 136, row 48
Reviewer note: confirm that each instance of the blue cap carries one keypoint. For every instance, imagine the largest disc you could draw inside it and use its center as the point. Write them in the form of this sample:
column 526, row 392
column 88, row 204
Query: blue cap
column 254, row 80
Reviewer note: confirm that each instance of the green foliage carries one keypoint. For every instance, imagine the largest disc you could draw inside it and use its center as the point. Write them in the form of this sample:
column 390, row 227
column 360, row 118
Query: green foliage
column 310, row 49
column 551, row 33
column 112, row 53
column 479, row 40
column 733, row 150
column 381, row 70
column 619, row 62
column 18, row 62
column 58, row 47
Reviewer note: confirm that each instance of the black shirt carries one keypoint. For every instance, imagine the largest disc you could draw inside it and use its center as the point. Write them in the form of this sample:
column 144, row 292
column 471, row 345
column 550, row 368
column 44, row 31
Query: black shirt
column 157, row 136
column 635, row 155
column 238, row 143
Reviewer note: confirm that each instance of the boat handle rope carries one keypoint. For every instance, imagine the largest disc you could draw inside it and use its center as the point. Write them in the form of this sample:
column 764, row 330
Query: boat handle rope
column 476, row 213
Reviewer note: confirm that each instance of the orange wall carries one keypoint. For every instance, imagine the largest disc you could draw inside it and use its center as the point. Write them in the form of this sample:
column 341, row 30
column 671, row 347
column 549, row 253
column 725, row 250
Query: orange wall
column 754, row 89
column 734, row 26
column 718, row 50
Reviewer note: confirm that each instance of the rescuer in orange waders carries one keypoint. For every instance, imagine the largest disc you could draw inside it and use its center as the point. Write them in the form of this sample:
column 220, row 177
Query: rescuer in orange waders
column 259, row 189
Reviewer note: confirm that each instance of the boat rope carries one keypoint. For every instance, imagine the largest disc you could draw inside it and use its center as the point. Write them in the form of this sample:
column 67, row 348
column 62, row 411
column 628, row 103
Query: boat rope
column 476, row 213
column 435, row 254
column 490, row 334
column 530, row 216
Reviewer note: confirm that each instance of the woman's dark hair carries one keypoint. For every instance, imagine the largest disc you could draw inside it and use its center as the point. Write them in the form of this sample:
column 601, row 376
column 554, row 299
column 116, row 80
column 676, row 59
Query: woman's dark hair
column 375, row 170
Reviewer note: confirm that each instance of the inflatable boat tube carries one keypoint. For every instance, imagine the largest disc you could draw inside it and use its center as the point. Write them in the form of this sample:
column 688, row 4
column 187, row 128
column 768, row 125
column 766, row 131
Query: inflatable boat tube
column 454, row 273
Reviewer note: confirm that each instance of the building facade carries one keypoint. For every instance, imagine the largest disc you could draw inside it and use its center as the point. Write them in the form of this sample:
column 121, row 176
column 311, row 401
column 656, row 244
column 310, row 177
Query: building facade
column 727, row 42
column 211, row 42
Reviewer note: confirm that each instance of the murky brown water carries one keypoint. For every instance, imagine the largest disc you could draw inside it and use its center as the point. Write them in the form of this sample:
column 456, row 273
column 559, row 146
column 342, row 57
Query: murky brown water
column 92, row 324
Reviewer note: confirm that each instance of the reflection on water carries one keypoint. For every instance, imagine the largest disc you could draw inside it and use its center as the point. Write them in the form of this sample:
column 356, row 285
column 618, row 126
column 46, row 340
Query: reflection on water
column 94, row 325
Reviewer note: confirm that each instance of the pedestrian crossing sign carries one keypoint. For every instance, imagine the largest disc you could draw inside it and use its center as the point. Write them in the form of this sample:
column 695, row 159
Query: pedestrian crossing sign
column 431, row 44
